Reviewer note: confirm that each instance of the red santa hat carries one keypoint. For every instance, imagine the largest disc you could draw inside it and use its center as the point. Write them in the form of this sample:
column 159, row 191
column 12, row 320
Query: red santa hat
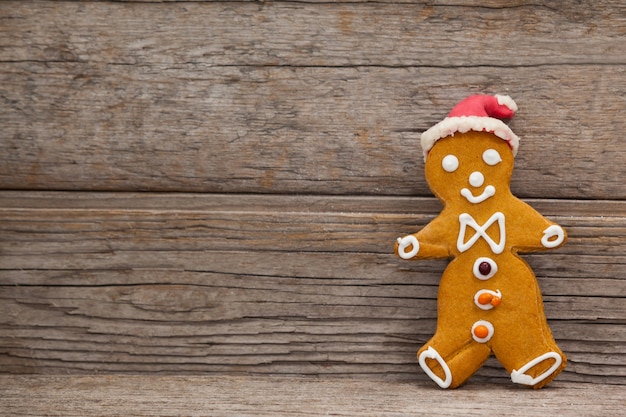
column 479, row 113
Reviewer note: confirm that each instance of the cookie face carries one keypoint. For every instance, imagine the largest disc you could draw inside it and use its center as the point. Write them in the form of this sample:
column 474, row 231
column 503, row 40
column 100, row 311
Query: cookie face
column 469, row 168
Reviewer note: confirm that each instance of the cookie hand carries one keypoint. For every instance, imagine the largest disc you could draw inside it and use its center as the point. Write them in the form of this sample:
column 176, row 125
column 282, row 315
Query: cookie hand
column 404, row 243
column 553, row 236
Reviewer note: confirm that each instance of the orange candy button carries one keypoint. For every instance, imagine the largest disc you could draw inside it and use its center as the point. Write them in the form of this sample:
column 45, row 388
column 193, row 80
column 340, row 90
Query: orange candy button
column 485, row 298
column 481, row 331
column 496, row 301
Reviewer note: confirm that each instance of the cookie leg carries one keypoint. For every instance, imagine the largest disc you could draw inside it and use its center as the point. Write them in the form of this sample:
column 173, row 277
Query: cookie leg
column 536, row 361
column 451, row 367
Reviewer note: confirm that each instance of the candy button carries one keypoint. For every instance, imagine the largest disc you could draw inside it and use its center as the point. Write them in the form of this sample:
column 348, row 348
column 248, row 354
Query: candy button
column 482, row 331
column 484, row 298
column 484, row 268
column 487, row 299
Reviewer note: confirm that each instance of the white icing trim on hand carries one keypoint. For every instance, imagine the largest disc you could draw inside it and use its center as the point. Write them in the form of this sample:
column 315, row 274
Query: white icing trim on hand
column 520, row 377
column 489, row 327
column 405, row 242
column 476, row 270
column 481, row 231
column 431, row 353
column 487, row 306
column 489, row 191
column 551, row 232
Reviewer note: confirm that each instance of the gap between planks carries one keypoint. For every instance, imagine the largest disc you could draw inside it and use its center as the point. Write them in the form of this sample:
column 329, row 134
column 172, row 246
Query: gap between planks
column 216, row 202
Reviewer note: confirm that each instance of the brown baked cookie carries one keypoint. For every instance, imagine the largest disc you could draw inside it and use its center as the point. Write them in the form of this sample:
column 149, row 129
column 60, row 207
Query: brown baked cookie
column 489, row 299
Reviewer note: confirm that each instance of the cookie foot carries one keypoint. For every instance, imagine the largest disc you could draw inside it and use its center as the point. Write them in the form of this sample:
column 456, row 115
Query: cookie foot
column 431, row 353
column 520, row 376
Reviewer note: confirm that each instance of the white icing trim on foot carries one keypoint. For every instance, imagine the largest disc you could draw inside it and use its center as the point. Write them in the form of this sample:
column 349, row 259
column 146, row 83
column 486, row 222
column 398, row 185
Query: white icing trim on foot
column 520, row 377
column 431, row 353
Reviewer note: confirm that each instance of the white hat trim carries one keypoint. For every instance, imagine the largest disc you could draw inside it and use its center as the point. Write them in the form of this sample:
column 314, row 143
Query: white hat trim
column 462, row 124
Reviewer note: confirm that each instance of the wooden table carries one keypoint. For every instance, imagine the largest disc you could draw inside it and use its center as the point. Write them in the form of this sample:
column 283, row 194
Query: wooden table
column 199, row 200
column 154, row 395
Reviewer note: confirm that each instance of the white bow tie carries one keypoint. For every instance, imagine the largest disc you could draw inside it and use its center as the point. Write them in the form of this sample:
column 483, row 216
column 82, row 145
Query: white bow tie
column 481, row 231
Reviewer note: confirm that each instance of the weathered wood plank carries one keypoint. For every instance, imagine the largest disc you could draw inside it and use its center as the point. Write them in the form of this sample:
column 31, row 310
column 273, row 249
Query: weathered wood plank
column 292, row 130
column 259, row 284
column 301, row 98
column 300, row 34
column 146, row 396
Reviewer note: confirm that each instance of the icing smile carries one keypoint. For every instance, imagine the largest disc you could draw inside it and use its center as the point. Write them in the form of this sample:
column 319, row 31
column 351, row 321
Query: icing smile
column 489, row 191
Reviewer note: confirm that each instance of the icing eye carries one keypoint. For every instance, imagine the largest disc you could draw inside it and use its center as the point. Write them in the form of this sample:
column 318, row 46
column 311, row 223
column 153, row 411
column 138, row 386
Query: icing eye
column 450, row 163
column 491, row 157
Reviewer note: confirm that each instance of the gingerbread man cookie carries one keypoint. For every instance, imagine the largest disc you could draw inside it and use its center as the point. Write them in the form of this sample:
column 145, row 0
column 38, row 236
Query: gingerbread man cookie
column 489, row 299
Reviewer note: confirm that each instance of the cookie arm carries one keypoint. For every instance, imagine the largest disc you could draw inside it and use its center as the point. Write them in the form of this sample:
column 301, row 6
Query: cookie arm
column 535, row 232
column 428, row 243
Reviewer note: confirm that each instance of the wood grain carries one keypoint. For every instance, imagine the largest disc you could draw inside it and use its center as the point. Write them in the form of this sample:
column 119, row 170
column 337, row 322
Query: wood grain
column 238, row 284
column 301, row 98
column 214, row 188
column 232, row 33
column 86, row 396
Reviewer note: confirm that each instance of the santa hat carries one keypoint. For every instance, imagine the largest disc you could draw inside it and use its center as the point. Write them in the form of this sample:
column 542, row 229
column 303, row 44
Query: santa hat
column 479, row 113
